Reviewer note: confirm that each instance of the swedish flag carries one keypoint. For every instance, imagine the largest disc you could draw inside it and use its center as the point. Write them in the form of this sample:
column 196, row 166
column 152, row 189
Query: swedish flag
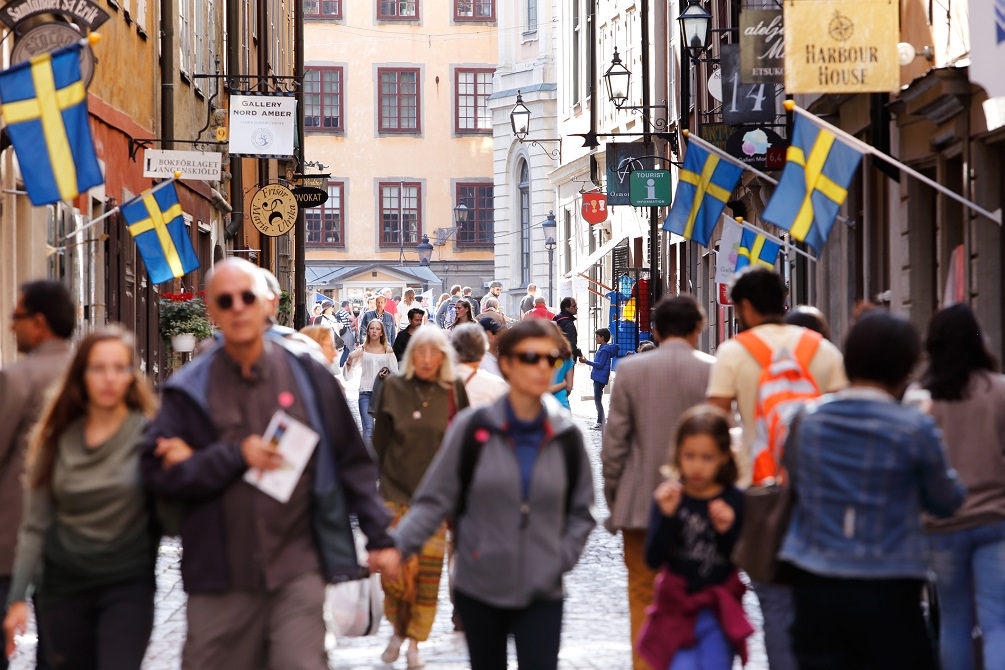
column 44, row 104
column 155, row 220
column 814, row 184
column 756, row 250
column 705, row 184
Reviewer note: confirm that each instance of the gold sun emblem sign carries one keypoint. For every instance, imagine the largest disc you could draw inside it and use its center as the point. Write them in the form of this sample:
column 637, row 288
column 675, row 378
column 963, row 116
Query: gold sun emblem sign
column 840, row 28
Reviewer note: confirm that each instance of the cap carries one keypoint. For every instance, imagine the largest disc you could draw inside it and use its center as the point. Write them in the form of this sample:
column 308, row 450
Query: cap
column 490, row 324
column 495, row 283
column 325, row 304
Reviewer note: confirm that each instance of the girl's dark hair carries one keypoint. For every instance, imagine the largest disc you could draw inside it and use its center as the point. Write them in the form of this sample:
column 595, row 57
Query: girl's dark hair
column 712, row 421
column 71, row 401
column 810, row 317
column 956, row 349
column 881, row 347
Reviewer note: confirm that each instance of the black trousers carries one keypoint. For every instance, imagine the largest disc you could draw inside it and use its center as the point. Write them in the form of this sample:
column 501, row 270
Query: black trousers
column 103, row 629
column 40, row 662
column 537, row 630
column 860, row 624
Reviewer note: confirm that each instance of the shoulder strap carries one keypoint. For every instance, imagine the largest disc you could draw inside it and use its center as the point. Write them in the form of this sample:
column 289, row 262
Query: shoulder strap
column 471, row 451
column 807, row 347
column 572, row 453
column 756, row 346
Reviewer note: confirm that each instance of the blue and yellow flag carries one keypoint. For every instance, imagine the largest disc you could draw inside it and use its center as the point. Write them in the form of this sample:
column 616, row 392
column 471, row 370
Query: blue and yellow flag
column 44, row 105
column 756, row 250
column 705, row 184
column 814, row 184
column 155, row 220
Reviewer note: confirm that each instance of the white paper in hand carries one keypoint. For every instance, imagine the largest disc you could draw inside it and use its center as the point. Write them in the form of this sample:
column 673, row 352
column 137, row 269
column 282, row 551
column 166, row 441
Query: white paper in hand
column 296, row 442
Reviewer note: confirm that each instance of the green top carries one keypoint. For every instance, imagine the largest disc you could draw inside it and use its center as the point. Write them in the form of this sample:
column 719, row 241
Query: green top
column 92, row 528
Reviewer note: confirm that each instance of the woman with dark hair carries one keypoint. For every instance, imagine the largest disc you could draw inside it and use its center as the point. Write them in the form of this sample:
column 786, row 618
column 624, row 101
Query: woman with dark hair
column 516, row 479
column 810, row 317
column 87, row 527
column 462, row 313
column 863, row 468
column 967, row 549
column 561, row 384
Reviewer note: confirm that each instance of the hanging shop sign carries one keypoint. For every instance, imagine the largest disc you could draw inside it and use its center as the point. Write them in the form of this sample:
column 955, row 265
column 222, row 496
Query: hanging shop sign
column 162, row 164
column 595, row 207
column 274, row 210
column 262, row 125
column 751, row 145
column 715, row 133
column 987, row 45
column 622, row 159
column 742, row 102
column 762, row 46
column 308, row 196
column 841, row 46
column 84, row 13
column 650, row 188
column 727, row 252
column 49, row 37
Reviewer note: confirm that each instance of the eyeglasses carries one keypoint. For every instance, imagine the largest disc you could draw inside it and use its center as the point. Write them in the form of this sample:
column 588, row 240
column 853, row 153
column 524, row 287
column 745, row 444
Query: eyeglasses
column 533, row 357
column 17, row 316
column 114, row 370
column 226, row 301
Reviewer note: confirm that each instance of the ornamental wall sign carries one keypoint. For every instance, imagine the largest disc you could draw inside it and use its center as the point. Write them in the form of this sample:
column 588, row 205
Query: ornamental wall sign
column 85, row 13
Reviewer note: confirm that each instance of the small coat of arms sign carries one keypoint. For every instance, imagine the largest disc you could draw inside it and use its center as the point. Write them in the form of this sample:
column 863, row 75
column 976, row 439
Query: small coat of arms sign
column 595, row 207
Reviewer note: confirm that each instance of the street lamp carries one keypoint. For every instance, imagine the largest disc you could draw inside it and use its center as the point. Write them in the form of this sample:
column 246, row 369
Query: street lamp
column 549, row 226
column 425, row 250
column 618, row 79
column 695, row 24
column 519, row 118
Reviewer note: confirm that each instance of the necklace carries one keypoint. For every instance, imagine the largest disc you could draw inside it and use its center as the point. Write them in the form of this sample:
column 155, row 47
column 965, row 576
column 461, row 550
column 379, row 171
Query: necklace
column 423, row 400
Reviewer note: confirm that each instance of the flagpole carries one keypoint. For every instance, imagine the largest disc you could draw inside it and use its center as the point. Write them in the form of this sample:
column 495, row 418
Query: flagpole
column 731, row 159
column 107, row 214
column 995, row 216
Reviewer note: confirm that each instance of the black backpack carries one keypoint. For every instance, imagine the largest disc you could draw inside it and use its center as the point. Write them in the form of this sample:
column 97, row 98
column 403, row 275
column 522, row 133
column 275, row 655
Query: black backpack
column 471, row 451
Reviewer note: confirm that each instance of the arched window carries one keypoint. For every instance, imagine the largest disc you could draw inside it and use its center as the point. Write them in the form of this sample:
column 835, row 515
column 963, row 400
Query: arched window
column 524, row 223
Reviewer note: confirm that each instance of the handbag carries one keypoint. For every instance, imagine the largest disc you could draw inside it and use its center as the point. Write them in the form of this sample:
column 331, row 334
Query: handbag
column 767, row 512
column 355, row 607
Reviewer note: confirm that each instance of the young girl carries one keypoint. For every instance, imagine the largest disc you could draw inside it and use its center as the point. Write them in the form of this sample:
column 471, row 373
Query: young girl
column 375, row 355
column 697, row 620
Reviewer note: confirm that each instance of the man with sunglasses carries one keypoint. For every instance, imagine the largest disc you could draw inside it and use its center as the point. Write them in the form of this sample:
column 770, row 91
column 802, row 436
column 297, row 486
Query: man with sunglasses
column 255, row 567
column 43, row 322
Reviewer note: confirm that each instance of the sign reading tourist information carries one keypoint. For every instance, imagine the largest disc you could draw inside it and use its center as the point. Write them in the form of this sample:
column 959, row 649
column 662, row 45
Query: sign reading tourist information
column 274, row 210
column 85, row 13
column 162, row 164
column 594, row 207
column 762, row 46
column 262, row 125
column 841, row 46
column 651, row 188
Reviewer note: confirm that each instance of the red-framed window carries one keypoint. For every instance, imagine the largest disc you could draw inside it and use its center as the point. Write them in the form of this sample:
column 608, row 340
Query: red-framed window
column 479, row 228
column 331, row 9
column 400, row 213
column 472, row 89
column 399, row 100
column 474, row 10
column 323, row 100
column 324, row 223
column 397, row 9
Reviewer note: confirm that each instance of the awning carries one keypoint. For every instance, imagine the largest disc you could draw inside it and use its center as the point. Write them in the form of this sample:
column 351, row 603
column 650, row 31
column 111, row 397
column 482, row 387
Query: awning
column 323, row 275
column 419, row 272
column 593, row 258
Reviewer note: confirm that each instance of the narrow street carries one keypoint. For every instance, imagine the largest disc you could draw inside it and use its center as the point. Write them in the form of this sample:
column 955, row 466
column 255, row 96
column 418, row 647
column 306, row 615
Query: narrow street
column 596, row 609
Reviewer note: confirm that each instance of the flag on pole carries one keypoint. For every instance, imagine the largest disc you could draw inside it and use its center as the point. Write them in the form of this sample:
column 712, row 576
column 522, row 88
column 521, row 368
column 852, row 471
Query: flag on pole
column 44, row 106
column 814, row 183
column 756, row 250
column 706, row 182
column 155, row 221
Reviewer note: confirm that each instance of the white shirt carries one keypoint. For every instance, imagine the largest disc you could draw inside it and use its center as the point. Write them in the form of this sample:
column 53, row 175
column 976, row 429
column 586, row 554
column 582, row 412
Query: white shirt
column 490, row 364
column 482, row 388
column 371, row 365
column 403, row 310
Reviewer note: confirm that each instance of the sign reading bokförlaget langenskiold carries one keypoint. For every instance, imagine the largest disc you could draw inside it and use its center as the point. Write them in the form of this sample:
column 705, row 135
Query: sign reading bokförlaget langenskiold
column 262, row 125
column 841, row 46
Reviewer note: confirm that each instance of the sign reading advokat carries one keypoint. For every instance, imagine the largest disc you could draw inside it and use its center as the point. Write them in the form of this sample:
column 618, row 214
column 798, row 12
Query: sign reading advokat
column 841, row 46
column 205, row 165
column 262, row 125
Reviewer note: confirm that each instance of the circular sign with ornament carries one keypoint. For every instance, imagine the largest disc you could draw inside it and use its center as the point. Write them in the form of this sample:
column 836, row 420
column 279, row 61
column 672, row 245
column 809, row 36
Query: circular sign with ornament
column 274, row 210
column 49, row 37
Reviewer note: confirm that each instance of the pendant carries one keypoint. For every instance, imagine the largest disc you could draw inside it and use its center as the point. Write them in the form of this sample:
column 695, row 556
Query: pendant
column 416, row 415
column 425, row 405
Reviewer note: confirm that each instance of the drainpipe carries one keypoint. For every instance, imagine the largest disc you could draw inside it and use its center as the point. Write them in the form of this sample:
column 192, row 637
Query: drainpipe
column 236, row 225
column 167, row 71
column 264, row 41
column 300, row 231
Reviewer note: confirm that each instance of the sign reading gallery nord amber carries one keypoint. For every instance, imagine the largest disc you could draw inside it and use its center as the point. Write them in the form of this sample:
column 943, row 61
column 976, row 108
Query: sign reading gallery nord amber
column 841, row 46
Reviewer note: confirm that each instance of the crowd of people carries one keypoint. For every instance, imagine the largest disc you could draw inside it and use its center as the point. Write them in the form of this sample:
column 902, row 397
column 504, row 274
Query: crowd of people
column 467, row 454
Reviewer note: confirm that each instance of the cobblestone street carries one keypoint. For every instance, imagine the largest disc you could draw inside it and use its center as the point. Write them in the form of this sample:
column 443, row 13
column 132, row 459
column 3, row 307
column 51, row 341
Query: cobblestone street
column 595, row 633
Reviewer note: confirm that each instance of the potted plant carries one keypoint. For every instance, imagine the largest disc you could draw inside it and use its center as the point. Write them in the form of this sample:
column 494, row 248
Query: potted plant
column 183, row 320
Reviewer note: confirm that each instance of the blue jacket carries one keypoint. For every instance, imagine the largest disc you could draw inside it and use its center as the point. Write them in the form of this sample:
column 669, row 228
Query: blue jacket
column 866, row 468
column 602, row 363
column 344, row 481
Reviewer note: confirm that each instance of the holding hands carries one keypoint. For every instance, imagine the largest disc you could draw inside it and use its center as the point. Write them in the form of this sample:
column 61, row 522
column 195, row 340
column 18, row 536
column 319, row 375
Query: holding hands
column 386, row 561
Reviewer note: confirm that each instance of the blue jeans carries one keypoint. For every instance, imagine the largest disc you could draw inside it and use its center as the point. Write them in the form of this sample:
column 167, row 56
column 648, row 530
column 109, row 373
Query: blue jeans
column 778, row 611
column 969, row 567
column 345, row 356
column 713, row 651
column 364, row 415
column 598, row 400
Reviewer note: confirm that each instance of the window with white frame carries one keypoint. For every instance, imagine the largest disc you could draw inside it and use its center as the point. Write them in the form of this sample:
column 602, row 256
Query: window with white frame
column 199, row 38
column 471, row 101
column 400, row 213
column 185, row 36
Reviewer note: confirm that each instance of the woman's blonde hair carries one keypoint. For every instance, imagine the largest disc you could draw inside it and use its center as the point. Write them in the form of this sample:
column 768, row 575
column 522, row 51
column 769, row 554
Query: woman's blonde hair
column 319, row 334
column 383, row 332
column 437, row 338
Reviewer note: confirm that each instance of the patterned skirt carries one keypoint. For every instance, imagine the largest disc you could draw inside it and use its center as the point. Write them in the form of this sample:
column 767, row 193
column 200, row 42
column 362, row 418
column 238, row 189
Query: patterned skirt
column 410, row 600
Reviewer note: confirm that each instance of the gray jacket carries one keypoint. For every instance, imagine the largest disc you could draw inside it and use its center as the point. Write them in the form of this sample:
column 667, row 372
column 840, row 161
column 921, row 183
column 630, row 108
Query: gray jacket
column 500, row 560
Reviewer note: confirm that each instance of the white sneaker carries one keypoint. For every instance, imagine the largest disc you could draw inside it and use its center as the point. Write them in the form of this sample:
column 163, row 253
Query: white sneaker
column 393, row 649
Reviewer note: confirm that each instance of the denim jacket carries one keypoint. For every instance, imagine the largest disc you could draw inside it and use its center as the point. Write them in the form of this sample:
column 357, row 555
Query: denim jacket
column 865, row 469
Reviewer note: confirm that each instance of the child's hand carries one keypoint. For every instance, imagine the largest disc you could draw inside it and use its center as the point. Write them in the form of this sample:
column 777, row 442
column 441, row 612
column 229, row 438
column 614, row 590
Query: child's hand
column 667, row 496
column 721, row 514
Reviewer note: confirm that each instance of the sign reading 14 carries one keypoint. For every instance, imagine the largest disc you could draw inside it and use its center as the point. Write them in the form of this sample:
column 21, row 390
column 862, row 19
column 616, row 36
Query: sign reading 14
column 758, row 97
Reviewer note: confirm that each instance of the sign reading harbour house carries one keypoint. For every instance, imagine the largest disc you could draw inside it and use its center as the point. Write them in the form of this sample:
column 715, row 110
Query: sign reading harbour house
column 262, row 125
column 163, row 164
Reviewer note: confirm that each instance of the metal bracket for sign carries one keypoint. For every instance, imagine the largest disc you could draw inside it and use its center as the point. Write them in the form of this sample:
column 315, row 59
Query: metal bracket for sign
column 257, row 84
column 591, row 139
column 136, row 145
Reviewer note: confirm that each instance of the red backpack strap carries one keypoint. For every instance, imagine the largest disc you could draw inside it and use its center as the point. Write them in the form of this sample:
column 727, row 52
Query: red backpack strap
column 807, row 347
column 757, row 347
